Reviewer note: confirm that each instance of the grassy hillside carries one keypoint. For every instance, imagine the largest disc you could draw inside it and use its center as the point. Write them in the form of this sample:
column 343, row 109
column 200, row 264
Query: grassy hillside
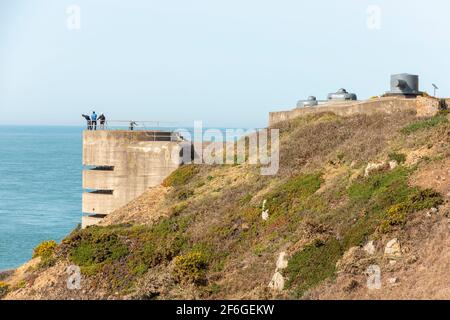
column 201, row 234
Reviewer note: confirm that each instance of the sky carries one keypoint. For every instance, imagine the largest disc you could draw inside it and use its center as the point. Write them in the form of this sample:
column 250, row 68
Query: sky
column 226, row 63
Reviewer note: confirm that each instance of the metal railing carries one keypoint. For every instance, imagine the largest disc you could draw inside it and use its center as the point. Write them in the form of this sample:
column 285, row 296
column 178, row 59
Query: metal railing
column 130, row 125
column 159, row 130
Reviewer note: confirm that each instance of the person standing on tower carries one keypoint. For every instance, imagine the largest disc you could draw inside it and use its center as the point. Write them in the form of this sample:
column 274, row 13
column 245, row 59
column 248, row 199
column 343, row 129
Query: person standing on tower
column 94, row 120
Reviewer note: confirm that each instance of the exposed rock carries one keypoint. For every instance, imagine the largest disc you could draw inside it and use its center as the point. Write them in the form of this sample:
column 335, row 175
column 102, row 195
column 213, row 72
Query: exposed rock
column 369, row 248
column 393, row 164
column 265, row 213
column 431, row 212
column 282, row 261
column 412, row 259
column 393, row 281
column 393, row 249
column 277, row 282
column 373, row 167
column 434, row 210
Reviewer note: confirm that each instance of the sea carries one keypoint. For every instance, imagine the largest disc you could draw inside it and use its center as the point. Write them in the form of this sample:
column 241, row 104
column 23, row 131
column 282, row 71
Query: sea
column 40, row 188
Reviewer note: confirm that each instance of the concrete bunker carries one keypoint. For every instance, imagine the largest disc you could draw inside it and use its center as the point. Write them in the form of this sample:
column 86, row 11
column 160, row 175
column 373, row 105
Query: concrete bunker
column 120, row 165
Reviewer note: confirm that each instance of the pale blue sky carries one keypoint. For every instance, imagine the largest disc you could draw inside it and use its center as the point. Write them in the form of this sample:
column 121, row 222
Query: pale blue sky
column 227, row 63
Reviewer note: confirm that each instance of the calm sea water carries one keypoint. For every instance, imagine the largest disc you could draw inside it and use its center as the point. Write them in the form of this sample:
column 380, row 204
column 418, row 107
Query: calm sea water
column 40, row 188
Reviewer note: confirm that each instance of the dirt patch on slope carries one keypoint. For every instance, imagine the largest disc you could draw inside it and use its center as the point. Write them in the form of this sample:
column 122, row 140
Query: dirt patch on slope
column 435, row 176
column 145, row 209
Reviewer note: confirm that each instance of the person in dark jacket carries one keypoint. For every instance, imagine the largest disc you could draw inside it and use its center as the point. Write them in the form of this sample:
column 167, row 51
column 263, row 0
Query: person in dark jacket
column 132, row 125
column 88, row 120
column 102, row 120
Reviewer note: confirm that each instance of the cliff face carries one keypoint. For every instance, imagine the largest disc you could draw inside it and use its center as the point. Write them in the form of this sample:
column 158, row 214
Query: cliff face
column 356, row 198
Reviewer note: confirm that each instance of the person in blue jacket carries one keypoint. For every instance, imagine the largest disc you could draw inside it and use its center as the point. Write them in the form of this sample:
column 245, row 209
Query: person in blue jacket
column 94, row 121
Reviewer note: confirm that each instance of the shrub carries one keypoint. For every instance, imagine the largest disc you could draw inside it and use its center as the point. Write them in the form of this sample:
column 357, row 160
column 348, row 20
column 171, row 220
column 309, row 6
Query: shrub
column 95, row 246
column 370, row 198
column 245, row 199
column 382, row 189
column 387, row 199
column 190, row 267
column 418, row 200
column 310, row 266
column 44, row 249
column 178, row 208
column 185, row 194
column 425, row 199
column 293, row 193
column 425, row 124
column 157, row 244
column 181, row 176
column 4, row 288
column 395, row 216
column 399, row 157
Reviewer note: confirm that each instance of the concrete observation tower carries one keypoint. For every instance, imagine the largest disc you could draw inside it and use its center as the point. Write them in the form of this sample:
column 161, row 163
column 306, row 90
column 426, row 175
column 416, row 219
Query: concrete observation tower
column 119, row 165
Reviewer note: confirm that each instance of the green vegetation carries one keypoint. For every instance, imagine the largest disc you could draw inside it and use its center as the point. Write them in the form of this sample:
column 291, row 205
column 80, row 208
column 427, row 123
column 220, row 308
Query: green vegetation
column 185, row 194
column 95, row 246
column 310, row 266
column 245, row 199
column 289, row 197
column 45, row 250
column 385, row 199
column 425, row 123
column 190, row 267
column 396, row 215
column 157, row 244
column 131, row 249
column 181, row 176
column 380, row 189
column 4, row 289
column 399, row 157
column 178, row 208
column 379, row 202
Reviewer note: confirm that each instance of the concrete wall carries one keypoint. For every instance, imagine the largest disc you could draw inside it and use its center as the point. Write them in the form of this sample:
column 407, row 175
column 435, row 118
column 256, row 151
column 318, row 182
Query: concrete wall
column 421, row 105
column 129, row 163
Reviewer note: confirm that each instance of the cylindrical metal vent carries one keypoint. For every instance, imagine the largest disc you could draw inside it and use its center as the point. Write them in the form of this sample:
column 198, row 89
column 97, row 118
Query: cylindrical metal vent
column 342, row 95
column 404, row 83
column 311, row 102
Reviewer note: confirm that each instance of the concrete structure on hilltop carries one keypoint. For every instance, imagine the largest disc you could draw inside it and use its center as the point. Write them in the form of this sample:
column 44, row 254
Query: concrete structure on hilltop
column 120, row 165
column 404, row 95
column 423, row 106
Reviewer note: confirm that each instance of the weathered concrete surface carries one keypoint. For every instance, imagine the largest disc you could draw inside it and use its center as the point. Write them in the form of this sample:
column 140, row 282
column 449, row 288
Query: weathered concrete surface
column 87, row 221
column 124, row 165
column 423, row 106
